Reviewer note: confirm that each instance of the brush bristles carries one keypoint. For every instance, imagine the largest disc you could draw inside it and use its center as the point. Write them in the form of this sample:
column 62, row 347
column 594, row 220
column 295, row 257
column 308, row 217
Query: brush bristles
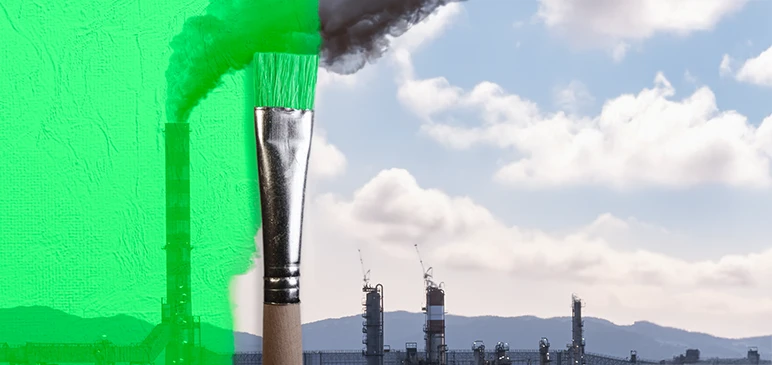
column 284, row 80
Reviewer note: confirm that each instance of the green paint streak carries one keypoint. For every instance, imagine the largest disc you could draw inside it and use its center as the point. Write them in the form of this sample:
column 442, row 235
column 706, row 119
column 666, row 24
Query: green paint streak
column 226, row 39
column 285, row 80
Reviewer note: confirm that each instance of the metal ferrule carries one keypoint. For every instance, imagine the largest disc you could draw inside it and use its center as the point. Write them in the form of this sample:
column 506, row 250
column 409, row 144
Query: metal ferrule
column 283, row 146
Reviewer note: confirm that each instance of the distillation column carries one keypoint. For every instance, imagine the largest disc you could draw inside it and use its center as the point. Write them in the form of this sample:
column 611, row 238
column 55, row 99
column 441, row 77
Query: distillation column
column 577, row 332
column 502, row 348
column 544, row 351
column 373, row 324
column 478, row 348
column 753, row 356
column 435, row 324
column 179, row 350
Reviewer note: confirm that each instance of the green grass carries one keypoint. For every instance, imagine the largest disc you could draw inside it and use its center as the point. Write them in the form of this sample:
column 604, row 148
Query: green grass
column 285, row 80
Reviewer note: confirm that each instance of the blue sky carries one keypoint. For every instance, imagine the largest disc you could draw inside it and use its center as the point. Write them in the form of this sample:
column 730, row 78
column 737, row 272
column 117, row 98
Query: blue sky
column 694, row 245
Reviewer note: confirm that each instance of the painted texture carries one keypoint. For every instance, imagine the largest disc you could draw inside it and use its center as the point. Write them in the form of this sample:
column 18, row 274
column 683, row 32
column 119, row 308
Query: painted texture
column 82, row 204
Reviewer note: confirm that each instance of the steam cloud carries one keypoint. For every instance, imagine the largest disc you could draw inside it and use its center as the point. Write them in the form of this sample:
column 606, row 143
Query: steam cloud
column 355, row 32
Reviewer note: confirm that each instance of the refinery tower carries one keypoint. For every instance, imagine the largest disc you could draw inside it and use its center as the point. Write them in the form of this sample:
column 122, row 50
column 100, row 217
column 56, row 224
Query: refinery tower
column 434, row 329
column 577, row 332
column 372, row 326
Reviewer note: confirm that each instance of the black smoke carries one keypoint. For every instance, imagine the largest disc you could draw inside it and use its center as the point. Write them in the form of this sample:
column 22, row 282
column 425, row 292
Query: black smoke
column 355, row 32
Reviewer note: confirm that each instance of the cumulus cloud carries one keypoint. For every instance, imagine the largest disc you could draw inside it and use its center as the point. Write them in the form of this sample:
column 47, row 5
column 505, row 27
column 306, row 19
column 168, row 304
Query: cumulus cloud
column 607, row 261
column 606, row 23
column 619, row 51
column 649, row 138
column 326, row 160
column 757, row 70
column 604, row 261
column 328, row 79
column 393, row 210
column 573, row 97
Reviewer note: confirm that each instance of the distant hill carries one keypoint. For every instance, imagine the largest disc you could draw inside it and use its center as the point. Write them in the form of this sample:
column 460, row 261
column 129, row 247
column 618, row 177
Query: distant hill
column 42, row 324
column 650, row 340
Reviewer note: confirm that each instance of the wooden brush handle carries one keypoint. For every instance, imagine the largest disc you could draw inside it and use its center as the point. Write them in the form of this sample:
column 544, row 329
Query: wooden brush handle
column 282, row 336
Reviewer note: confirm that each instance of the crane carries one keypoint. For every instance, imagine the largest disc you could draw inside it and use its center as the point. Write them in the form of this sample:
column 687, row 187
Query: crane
column 427, row 273
column 365, row 274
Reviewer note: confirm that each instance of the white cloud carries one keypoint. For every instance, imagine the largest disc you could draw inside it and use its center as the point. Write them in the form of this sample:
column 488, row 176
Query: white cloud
column 420, row 35
column 757, row 70
column 607, row 22
column 468, row 245
column 427, row 97
column 428, row 30
column 326, row 160
column 573, row 97
column 725, row 68
column 327, row 79
column 619, row 51
column 646, row 139
column 392, row 212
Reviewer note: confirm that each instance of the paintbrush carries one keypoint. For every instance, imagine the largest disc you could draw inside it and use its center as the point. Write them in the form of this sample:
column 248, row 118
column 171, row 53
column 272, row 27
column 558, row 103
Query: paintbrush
column 284, row 91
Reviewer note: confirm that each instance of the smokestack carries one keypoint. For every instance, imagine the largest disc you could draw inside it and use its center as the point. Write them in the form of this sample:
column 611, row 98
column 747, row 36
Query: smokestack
column 577, row 332
column 373, row 324
column 355, row 32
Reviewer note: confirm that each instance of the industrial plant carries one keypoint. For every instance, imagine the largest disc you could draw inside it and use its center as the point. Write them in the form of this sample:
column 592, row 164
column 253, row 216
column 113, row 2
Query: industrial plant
column 436, row 352
column 179, row 333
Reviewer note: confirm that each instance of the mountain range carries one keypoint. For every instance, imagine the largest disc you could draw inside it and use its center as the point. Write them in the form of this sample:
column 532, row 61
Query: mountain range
column 42, row 324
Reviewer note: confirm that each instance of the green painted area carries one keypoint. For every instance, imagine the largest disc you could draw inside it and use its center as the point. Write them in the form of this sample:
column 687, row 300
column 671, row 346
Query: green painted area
column 82, row 119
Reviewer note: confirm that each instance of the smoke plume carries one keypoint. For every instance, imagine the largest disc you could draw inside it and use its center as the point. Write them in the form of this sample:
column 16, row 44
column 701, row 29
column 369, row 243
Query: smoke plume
column 355, row 32
column 226, row 38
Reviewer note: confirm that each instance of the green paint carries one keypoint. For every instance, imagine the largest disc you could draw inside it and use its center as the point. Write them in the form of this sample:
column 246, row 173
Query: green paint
column 285, row 80
column 226, row 39
column 82, row 117
column 178, row 321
